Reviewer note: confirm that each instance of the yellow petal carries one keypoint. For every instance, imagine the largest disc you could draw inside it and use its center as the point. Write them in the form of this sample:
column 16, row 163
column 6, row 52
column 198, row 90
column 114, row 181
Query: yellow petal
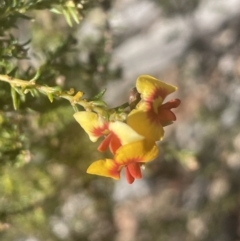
column 94, row 125
column 106, row 168
column 149, row 128
column 124, row 132
column 140, row 151
column 153, row 89
column 144, row 106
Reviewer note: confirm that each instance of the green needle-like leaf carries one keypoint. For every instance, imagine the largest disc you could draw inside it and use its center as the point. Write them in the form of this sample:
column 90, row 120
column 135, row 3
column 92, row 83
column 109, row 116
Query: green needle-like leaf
column 67, row 17
column 14, row 98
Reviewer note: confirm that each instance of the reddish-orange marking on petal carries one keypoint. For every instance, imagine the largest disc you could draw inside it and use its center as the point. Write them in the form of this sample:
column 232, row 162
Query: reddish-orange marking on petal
column 100, row 130
column 156, row 93
column 152, row 116
column 115, row 170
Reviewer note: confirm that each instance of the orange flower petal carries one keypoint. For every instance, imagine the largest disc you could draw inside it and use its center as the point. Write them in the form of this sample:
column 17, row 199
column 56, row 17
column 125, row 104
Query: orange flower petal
column 94, row 125
column 135, row 170
column 174, row 103
column 128, row 175
column 106, row 168
column 114, row 144
column 105, row 143
column 132, row 172
column 165, row 115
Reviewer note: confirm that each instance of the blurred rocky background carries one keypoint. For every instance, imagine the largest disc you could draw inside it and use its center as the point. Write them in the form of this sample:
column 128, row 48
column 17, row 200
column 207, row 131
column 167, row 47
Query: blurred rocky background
column 192, row 191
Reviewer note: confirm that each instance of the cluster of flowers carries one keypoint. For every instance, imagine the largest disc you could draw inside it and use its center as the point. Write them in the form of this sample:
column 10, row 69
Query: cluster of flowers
column 131, row 136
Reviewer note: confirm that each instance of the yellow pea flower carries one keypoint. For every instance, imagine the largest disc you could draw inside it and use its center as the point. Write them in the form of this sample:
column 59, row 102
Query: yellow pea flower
column 130, row 157
column 115, row 133
column 151, row 115
column 153, row 90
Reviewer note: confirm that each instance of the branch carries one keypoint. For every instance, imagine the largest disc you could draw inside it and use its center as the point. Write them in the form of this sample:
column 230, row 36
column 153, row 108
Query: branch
column 23, row 87
column 96, row 104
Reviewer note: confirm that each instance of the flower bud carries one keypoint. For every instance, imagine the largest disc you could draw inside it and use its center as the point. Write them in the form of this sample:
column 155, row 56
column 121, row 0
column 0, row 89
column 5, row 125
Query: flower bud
column 134, row 98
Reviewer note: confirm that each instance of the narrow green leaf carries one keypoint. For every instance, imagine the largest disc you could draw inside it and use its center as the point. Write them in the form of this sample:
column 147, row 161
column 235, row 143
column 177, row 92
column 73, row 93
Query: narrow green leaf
column 34, row 92
column 50, row 97
column 74, row 14
column 54, row 10
column 14, row 3
column 99, row 95
column 37, row 75
column 19, row 90
column 14, row 98
column 49, row 90
column 67, row 17
column 23, row 98
column 55, row 89
column 99, row 103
